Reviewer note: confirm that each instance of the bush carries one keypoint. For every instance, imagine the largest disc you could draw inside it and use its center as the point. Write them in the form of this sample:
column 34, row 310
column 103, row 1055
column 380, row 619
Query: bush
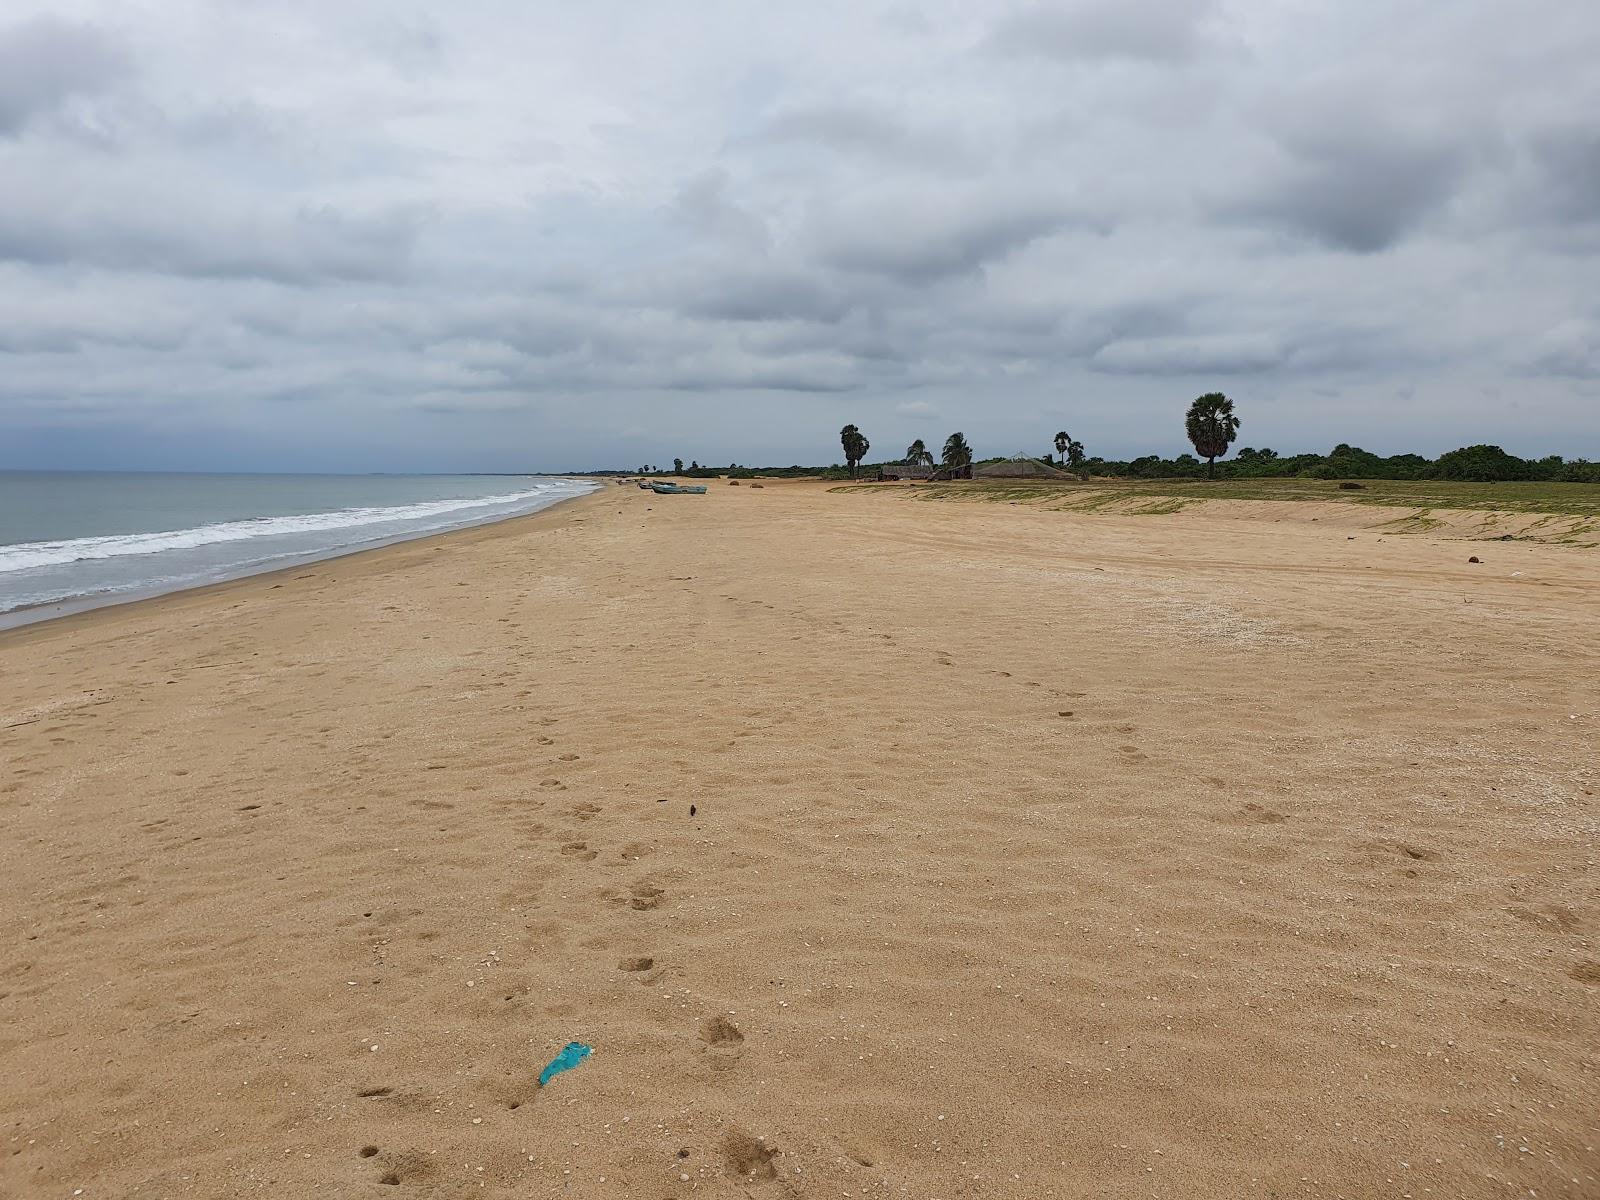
column 1481, row 464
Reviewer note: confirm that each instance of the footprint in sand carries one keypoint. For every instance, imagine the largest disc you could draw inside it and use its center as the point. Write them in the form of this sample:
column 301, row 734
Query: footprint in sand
column 640, row 898
column 411, row 1167
column 1548, row 916
column 1408, row 853
column 645, row 969
column 1587, row 971
column 580, row 851
column 723, row 1041
column 644, row 896
column 1393, row 847
column 749, row 1158
column 552, row 785
column 857, row 1153
column 1256, row 814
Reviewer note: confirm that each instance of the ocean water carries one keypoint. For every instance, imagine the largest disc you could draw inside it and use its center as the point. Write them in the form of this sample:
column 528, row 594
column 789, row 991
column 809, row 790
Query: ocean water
column 68, row 538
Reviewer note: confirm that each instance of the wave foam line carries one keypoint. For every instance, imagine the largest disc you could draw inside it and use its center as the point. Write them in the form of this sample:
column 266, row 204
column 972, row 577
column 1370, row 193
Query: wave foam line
column 25, row 555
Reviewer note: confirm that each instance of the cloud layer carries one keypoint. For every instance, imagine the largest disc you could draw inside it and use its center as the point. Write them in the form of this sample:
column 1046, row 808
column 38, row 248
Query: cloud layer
column 499, row 236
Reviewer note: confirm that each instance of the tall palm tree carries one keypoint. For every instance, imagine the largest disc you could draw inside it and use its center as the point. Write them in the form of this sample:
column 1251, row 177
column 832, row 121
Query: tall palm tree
column 1063, row 444
column 1212, row 427
column 1073, row 455
column 917, row 455
column 957, row 454
column 855, row 446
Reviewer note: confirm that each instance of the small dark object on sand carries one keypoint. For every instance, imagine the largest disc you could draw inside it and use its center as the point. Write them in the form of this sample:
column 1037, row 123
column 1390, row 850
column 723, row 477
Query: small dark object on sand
column 691, row 810
column 1474, row 558
column 1350, row 485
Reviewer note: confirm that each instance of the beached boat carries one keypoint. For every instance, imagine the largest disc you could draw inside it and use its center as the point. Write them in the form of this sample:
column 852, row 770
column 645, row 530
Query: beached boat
column 673, row 489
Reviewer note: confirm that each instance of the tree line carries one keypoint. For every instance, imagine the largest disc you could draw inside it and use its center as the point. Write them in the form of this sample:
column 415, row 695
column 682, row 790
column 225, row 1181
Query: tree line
column 957, row 454
column 1212, row 426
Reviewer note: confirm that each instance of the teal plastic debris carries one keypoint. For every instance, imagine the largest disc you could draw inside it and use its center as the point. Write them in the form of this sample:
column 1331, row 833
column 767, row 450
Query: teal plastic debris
column 571, row 1055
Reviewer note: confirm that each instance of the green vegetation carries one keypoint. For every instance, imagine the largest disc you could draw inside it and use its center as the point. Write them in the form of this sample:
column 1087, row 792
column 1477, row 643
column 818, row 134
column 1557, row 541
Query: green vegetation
column 1577, row 500
column 1211, row 427
column 855, row 447
column 1470, row 464
column 957, row 454
column 1071, row 451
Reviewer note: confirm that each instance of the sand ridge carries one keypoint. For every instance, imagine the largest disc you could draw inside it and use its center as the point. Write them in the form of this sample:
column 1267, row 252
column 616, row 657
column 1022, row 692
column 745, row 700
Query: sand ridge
column 1031, row 854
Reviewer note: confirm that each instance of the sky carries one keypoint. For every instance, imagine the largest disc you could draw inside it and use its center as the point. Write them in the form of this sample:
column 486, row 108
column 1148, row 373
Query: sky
column 500, row 236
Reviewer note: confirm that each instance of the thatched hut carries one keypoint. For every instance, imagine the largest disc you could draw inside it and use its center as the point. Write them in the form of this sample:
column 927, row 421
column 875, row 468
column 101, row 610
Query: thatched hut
column 1018, row 468
column 891, row 471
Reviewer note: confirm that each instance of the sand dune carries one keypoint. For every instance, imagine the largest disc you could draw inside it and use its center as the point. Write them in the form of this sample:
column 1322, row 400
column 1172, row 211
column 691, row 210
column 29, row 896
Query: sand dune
column 1031, row 854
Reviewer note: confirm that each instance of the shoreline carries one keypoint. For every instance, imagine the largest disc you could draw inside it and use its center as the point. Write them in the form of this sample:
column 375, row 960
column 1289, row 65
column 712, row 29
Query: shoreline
column 31, row 615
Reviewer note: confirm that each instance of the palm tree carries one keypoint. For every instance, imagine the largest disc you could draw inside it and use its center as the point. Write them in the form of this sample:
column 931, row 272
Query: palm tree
column 1073, row 454
column 855, row 446
column 1063, row 443
column 957, row 454
column 1212, row 427
column 917, row 455
column 677, row 466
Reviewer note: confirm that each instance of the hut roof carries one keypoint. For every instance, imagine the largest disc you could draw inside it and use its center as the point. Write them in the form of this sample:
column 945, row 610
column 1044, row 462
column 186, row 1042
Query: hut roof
column 1017, row 468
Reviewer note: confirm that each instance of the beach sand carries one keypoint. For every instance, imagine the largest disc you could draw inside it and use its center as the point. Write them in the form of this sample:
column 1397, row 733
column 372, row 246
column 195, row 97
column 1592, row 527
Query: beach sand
column 878, row 848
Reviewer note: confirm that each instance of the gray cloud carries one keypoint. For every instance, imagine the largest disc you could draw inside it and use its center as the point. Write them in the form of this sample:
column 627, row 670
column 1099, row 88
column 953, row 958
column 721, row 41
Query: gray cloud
column 1570, row 349
column 1225, row 354
column 1157, row 30
column 1566, row 185
column 1353, row 187
column 920, row 238
column 869, row 131
column 44, row 62
column 753, row 294
column 342, row 235
column 185, row 236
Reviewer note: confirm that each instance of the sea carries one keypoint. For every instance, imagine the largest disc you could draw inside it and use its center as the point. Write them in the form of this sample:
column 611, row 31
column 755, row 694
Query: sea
column 75, row 539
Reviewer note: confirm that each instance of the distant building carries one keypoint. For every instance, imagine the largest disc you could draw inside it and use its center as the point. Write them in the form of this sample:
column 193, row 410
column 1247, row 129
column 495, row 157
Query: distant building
column 1018, row 468
column 891, row 471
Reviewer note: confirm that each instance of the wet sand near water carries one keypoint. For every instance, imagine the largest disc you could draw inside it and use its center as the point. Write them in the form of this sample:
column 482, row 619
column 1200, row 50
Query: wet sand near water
column 1030, row 854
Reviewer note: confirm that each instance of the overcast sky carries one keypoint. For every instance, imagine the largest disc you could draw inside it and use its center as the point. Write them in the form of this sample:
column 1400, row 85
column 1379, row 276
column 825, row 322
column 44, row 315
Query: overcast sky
column 341, row 234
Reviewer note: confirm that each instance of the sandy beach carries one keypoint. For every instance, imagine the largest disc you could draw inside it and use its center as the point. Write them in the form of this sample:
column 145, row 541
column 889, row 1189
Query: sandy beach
column 877, row 847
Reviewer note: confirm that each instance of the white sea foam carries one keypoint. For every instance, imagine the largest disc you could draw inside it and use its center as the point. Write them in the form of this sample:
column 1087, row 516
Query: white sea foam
column 28, row 555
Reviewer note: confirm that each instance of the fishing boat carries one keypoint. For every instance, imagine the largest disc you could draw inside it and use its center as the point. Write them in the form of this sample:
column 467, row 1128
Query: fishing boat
column 673, row 489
